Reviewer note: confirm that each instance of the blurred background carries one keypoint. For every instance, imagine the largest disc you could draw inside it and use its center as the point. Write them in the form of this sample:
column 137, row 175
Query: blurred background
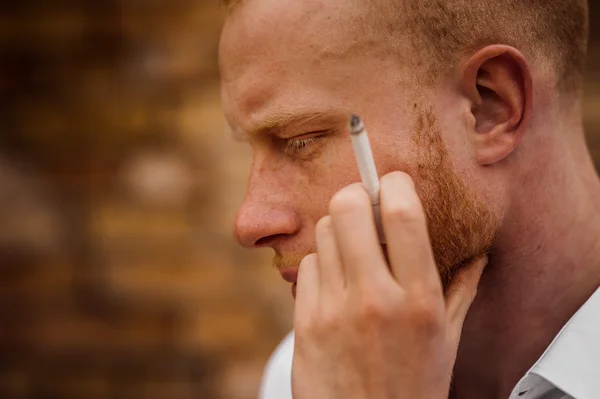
column 119, row 277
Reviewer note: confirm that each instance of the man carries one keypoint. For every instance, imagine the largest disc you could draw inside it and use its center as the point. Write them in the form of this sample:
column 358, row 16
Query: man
column 474, row 111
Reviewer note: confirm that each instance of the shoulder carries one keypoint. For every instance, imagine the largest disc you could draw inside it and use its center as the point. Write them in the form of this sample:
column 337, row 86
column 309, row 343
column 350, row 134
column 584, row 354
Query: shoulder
column 277, row 377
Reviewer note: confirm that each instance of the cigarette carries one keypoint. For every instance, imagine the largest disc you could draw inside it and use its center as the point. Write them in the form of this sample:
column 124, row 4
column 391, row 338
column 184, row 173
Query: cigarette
column 366, row 167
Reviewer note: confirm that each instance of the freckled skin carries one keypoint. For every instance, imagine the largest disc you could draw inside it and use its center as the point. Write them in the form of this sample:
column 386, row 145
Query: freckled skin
column 282, row 58
column 287, row 195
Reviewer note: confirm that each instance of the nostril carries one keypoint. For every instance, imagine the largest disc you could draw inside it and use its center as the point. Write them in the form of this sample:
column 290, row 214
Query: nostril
column 263, row 242
column 267, row 241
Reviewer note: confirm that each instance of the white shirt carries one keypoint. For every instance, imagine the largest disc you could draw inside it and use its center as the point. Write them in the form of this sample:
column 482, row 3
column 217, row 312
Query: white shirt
column 277, row 378
column 569, row 369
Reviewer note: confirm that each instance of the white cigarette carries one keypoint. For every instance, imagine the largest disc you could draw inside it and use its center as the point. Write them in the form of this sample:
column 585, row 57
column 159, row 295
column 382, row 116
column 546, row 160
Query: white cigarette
column 366, row 167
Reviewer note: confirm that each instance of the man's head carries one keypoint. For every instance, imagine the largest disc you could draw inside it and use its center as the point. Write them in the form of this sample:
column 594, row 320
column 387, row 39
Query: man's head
column 448, row 90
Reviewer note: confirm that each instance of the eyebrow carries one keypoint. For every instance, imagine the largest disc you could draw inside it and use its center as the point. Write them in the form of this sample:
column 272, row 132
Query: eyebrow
column 281, row 121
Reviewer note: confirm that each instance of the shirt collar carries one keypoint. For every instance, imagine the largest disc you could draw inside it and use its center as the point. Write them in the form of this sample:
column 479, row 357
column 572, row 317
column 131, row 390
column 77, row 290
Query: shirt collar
column 572, row 362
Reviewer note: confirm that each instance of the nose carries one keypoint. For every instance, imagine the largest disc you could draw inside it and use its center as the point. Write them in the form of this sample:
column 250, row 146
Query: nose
column 269, row 213
column 261, row 222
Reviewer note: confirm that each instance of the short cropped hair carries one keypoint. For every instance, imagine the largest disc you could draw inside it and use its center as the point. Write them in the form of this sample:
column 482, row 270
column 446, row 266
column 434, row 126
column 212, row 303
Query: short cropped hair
column 443, row 30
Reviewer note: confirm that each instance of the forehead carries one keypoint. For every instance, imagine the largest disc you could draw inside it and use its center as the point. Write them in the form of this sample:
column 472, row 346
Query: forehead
column 258, row 28
column 290, row 53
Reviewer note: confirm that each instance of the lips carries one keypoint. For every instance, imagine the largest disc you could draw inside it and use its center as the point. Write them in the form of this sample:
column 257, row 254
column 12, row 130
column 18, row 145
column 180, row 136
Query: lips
column 289, row 274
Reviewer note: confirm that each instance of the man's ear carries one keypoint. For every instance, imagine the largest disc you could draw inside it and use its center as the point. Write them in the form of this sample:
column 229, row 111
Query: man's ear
column 497, row 80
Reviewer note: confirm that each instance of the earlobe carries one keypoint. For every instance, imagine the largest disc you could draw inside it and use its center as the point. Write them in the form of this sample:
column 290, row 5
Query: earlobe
column 498, row 84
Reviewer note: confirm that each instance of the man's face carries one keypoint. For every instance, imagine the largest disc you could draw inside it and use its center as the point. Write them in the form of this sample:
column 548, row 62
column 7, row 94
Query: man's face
column 292, row 74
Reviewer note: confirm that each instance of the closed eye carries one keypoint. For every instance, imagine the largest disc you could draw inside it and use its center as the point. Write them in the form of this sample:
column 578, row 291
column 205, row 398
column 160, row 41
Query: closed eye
column 294, row 146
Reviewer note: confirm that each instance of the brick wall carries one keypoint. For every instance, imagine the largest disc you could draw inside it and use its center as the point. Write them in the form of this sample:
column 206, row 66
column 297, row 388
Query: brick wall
column 118, row 274
column 119, row 277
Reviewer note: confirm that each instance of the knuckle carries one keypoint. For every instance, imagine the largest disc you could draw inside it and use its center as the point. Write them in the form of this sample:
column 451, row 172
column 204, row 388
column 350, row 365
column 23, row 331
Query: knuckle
column 406, row 208
column 374, row 313
column 305, row 326
column 319, row 326
column 425, row 314
column 349, row 200
column 330, row 321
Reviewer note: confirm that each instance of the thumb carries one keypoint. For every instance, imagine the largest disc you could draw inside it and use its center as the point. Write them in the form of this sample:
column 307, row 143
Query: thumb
column 462, row 293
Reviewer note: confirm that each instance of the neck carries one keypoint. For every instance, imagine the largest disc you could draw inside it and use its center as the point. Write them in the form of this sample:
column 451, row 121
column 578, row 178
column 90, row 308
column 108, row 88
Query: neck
column 545, row 267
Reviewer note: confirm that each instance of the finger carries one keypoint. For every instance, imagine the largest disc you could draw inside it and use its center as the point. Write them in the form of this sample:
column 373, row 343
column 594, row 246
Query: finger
column 405, row 227
column 331, row 275
column 307, row 289
column 356, row 236
column 462, row 293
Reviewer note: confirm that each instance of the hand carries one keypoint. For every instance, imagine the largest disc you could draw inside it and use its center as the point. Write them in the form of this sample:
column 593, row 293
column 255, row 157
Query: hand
column 368, row 329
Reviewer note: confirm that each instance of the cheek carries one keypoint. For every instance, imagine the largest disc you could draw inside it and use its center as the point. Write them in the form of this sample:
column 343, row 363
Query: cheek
column 337, row 166
column 334, row 169
column 395, row 156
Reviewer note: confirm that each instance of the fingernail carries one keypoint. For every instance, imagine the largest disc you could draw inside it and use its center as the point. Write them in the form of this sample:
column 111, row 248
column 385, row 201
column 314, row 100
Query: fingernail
column 485, row 260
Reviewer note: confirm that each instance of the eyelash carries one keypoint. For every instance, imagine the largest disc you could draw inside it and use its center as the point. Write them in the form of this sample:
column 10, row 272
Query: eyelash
column 294, row 146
